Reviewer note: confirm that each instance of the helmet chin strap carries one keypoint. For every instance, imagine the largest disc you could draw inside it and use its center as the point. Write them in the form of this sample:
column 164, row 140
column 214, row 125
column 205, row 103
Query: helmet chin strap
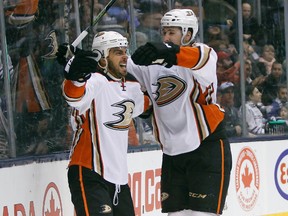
column 185, row 44
column 105, row 68
column 184, row 32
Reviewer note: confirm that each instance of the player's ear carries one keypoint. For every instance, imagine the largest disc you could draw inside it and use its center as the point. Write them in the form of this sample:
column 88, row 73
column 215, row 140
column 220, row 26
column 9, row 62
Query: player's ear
column 102, row 62
column 188, row 36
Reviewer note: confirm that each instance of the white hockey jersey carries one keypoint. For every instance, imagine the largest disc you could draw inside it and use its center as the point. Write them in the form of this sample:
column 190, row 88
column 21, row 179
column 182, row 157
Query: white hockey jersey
column 103, row 110
column 184, row 98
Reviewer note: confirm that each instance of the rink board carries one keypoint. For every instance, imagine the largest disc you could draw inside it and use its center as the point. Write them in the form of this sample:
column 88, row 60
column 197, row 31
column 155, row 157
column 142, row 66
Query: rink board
column 259, row 181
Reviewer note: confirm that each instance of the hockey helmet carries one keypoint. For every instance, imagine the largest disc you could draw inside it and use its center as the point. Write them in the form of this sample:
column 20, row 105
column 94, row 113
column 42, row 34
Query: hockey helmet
column 184, row 18
column 105, row 40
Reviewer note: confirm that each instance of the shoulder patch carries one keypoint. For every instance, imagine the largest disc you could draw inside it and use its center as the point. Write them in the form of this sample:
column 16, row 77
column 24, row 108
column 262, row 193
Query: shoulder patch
column 203, row 59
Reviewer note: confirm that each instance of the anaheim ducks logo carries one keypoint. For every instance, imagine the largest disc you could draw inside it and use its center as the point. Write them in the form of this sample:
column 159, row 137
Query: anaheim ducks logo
column 169, row 88
column 105, row 209
column 124, row 115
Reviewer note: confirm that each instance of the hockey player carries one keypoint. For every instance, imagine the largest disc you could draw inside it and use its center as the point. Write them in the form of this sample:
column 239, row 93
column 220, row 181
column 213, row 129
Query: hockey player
column 180, row 77
column 104, row 98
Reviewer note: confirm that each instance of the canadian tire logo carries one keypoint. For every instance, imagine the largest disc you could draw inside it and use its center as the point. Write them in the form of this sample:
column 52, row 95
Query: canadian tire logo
column 52, row 205
column 247, row 179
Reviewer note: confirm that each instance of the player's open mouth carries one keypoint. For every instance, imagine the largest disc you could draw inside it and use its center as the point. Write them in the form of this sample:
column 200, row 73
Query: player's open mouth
column 123, row 65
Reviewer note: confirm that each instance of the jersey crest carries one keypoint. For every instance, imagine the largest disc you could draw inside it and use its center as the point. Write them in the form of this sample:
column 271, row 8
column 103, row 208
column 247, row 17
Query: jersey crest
column 124, row 115
column 169, row 88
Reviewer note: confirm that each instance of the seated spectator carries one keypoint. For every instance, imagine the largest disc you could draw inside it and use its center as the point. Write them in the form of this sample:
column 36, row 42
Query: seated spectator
column 284, row 117
column 270, row 84
column 227, row 70
column 280, row 101
column 284, row 113
column 119, row 10
column 267, row 58
column 151, row 14
column 251, row 29
column 249, row 73
column 278, row 125
column 232, row 120
column 249, row 80
column 254, row 117
column 215, row 37
column 251, row 51
column 141, row 39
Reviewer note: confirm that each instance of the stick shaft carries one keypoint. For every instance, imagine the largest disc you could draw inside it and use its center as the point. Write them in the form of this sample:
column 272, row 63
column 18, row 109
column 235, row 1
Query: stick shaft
column 96, row 20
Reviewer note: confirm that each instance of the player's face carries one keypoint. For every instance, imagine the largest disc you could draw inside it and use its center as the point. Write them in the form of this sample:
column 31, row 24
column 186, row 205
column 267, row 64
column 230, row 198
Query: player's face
column 117, row 61
column 172, row 34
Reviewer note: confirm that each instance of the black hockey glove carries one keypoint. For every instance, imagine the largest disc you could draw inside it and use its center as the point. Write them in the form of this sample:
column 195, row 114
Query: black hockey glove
column 156, row 53
column 64, row 52
column 80, row 66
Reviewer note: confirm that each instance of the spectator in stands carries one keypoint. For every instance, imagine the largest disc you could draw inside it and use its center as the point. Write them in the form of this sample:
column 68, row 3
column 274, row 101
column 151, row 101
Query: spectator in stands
column 178, row 4
column 232, row 120
column 252, row 53
column 284, row 113
column 151, row 14
column 254, row 117
column 227, row 70
column 278, row 102
column 141, row 38
column 267, row 58
column 249, row 73
column 249, row 80
column 215, row 37
column 251, row 28
column 119, row 11
column 270, row 84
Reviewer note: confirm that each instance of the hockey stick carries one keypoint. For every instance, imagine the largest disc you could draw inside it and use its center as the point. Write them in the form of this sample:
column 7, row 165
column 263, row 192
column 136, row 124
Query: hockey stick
column 84, row 33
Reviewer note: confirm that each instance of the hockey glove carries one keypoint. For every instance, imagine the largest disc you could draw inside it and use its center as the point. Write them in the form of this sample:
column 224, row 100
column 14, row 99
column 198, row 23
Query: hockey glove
column 64, row 50
column 80, row 66
column 156, row 53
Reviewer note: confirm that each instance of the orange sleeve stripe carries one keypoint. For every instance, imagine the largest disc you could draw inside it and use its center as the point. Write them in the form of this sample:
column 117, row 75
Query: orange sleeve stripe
column 73, row 91
column 188, row 56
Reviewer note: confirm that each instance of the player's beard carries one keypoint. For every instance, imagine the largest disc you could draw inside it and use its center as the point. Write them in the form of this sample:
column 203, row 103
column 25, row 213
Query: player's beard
column 116, row 70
